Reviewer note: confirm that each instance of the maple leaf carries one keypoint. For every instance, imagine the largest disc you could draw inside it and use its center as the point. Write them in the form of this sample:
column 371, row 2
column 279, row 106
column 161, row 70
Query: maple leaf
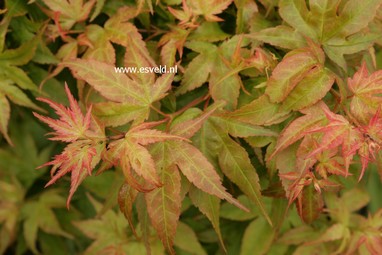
column 130, row 96
column 338, row 132
column 85, row 137
column 78, row 158
column 372, row 140
column 235, row 164
column 199, row 171
column 171, row 43
column 108, row 232
column 210, row 8
column 213, row 65
column 260, row 111
column 130, row 152
column 366, row 89
column 164, row 203
column 5, row 110
column 11, row 196
column 11, row 74
column 210, row 206
column 70, row 11
column 309, row 204
column 72, row 125
column 300, row 75
column 281, row 36
column 339, row 30
column 186, row 16
column 38, row 214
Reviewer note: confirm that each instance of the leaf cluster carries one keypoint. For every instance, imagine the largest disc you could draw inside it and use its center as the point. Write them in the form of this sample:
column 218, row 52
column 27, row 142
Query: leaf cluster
column 267, row 139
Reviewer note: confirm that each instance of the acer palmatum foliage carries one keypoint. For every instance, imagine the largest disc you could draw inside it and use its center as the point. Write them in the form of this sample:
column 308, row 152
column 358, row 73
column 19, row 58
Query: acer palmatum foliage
column 86, row 140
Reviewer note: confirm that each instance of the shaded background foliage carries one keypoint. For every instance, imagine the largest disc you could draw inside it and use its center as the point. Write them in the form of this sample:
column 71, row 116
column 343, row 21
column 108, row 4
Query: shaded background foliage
column 280, row 100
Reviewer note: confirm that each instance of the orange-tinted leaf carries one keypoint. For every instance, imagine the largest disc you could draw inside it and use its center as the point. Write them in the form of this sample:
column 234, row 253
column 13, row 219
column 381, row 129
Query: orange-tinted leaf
column 310, row 90
column 199, row 171
column 289, row 73
column 142, row 163
column 366, row 89
column 5, row 111
column 148, row 136
column 72, row 124
column 295, row 130
column 260, row 112
column 126, row 198
column 70, row 11
column 87, row 142
column 188, row 128
column 102, row 77
column 309, row 204
column 163, row 205
column 79, row 158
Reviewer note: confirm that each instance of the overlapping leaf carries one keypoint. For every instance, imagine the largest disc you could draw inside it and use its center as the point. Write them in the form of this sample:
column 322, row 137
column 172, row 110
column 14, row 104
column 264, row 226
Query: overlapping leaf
column 38, row 214
column 86, row 140
column 331, row 24
column 366, row 89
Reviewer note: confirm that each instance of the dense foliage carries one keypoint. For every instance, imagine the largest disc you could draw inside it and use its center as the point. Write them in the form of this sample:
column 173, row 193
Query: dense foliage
column 266, row 139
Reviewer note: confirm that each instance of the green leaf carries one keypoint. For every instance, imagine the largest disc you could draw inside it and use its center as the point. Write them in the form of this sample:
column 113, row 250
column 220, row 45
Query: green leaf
column 260, row 111
column 210, row 8
column 224, row 83
column 200, row 172
column 38, row 214
column 354, row 17
column 288, row 73
column 102, row 77
column 11, row 196
column 281, row 36
column 161, row 86
column 296, row 14
column 3, row 31
column 258, row 238
column 326, row 19
column 108, row 231
column 18, row 76
column 187, row 240
column 237, row 128
column 17, row 96
column 197, row 71
column 336, row 48
column 117, row 114
column 310, row 90
column 209, row 206
column 236, row 165
column 231, row 212
column 5, row 112
column 164, row 203
column 355, row 199
column 21, row 55
column 70, row 12
column 246, row 11
column 208, row 31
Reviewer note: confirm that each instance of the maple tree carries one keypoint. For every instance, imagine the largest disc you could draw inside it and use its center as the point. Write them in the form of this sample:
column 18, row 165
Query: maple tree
column 268, row 139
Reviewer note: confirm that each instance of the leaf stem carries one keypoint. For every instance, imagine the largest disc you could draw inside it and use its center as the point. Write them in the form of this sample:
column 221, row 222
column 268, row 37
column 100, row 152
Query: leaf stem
column 191, row 104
